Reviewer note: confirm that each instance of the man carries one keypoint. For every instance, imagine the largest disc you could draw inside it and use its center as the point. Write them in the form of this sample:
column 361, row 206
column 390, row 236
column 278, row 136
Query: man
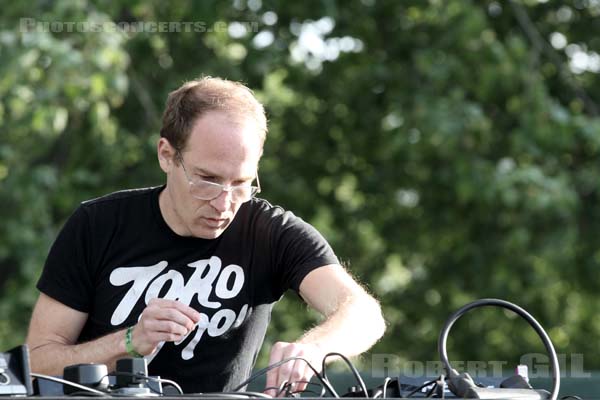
column 186, row 274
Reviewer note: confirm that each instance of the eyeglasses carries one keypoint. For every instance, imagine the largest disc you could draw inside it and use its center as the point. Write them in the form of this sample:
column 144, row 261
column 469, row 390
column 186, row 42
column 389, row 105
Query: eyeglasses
column 205, row 190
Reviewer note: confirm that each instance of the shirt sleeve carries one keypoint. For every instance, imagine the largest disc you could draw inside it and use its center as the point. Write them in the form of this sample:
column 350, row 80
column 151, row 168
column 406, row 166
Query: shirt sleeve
column 66, row 275
column 298, row 249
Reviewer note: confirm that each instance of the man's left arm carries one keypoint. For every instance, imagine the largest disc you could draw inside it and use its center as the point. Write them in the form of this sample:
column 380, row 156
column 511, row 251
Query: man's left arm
column 353, row 323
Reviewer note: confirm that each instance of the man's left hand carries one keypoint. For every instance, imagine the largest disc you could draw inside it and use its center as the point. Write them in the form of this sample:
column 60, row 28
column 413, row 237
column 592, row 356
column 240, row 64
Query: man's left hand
column 296, row 373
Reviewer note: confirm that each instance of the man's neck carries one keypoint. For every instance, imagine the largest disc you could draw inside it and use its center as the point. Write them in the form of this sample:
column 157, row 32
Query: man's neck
column 168, row 213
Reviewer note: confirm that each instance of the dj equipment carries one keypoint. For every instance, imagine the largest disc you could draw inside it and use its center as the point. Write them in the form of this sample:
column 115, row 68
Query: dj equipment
column 130, row 379
column 131, row 376
column 89, row 375
column 14, row 372
column 515, row 387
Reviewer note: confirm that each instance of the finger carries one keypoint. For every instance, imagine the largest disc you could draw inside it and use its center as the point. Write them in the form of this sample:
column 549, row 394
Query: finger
column 275, row 356
column 169, row 314
column 297, row 374
column 292, row 371
column 157, row 337
column 284, row 372
column 166, row 326
column 307, row 372
column 184, row 309
column 187, row 311
column 153, row 331
column 300, row 372
column 306, row 375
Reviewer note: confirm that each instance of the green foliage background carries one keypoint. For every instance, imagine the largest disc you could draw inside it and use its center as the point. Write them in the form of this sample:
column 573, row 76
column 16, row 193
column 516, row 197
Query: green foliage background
column 445, row 148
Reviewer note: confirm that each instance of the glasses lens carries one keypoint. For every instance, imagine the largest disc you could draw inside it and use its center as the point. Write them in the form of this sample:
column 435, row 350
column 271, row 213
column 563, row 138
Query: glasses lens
column 241, row 194
column 205, row 191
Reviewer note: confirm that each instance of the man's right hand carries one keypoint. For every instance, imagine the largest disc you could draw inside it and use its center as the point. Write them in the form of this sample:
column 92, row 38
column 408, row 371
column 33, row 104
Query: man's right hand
column 163, row 320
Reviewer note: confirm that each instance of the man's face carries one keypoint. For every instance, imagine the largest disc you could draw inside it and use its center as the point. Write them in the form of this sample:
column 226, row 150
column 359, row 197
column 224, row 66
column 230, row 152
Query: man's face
column 221, row 150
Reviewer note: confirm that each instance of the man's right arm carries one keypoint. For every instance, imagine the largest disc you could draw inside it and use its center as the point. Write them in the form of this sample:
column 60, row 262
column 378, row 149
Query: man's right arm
column 53, row 332
column 55, row 328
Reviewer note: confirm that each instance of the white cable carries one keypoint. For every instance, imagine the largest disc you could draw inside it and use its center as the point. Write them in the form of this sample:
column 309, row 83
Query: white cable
column 69, row 383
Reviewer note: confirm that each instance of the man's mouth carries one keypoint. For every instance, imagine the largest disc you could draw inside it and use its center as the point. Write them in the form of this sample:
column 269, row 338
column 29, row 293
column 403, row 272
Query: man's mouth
column 215, row 222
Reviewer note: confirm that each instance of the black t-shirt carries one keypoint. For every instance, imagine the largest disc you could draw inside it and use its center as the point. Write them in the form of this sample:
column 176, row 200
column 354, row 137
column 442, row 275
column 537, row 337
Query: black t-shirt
column 115, row 253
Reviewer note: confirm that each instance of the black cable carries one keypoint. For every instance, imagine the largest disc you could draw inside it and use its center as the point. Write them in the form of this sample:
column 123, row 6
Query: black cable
column 360, row 380
column 430, row 392
column 308, row 383
column 519, row 311
column 439, row 383
column 421, row 387
column 284, row 387
column 69, row 383
column 148, row 378
column 263, row 371
column 291, row 385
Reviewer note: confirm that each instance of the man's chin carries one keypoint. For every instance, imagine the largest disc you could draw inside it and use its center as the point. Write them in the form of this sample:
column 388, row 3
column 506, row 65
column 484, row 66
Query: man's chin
column 203, row 231
column 209, row 234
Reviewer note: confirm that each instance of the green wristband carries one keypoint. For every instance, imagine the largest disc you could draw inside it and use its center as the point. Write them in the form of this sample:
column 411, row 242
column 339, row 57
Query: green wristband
column 129, row 343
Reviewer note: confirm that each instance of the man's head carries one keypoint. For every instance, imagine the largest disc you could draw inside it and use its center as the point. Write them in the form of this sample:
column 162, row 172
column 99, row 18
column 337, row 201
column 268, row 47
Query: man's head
column 211, row 141
column 198, row 97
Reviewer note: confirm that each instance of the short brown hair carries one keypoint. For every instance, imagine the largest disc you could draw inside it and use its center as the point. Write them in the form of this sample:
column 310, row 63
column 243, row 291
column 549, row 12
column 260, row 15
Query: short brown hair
column 195, row 98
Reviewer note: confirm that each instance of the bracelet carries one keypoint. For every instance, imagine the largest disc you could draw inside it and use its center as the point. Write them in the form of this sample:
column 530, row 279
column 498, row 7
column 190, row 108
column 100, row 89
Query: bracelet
column 129, row 343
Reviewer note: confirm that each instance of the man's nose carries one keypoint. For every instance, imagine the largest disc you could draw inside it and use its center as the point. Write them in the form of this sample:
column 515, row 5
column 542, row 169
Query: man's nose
column 223, row 201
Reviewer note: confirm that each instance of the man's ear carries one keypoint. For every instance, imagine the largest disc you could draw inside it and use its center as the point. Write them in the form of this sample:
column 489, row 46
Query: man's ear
column 166, row 154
